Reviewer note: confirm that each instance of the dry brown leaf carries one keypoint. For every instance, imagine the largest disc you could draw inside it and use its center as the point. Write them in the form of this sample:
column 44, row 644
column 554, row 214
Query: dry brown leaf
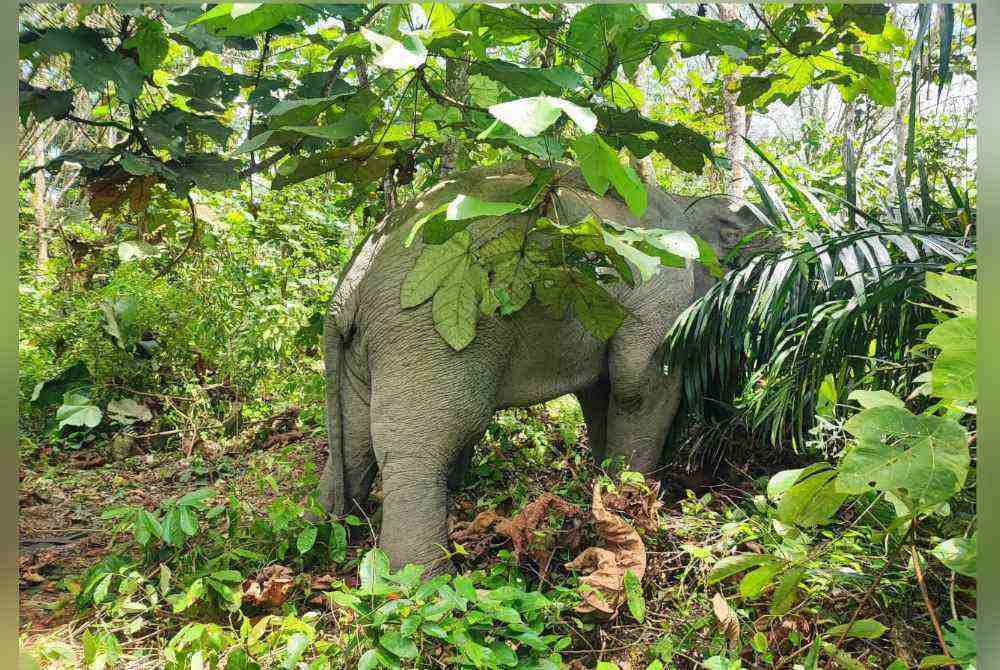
column 624, row 550
column 269, row 587
column 729, row 623
column 522, row 530
column 641, row 506
column 322, row 582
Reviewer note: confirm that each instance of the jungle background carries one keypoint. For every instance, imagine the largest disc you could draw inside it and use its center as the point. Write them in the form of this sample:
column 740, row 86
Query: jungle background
column 193, row 180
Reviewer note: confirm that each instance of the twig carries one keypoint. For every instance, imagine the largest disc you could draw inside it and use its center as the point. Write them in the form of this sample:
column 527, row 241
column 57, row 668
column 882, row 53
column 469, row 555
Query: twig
column 444, row 99
column 99, row 124
column 927, row 601
column 878, row 578
column 194, row 234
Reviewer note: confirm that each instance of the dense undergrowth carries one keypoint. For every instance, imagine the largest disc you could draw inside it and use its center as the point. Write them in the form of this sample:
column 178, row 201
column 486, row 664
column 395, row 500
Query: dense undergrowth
column 193, row 580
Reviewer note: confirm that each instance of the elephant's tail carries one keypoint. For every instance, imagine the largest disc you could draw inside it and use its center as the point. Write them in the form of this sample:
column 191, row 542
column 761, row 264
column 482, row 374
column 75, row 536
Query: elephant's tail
column 333, row 491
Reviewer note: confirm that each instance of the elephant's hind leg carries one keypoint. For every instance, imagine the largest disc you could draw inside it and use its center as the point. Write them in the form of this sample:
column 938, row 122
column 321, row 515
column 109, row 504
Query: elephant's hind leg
column 594, row 403
column 415, row 449
column 359, row 459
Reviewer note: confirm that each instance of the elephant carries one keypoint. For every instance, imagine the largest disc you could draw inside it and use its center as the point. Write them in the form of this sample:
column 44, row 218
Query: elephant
column 402, row 402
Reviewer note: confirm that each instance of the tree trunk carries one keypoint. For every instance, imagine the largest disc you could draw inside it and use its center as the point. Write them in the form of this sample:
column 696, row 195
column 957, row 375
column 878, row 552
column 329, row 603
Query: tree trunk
column 849, row 159
column 848, row 152
column 456, row 87
column 548, row 56
column 389, row 197
column 900, row 131
column 644, row 166
column 38, row 204
column 735, row 118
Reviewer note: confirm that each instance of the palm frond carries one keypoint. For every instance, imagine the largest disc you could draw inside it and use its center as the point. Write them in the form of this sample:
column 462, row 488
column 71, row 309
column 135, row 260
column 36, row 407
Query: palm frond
column 831, row 301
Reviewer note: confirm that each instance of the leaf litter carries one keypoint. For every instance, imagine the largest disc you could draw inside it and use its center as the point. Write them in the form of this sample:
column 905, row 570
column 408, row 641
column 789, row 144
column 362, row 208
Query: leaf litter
column 623, row 551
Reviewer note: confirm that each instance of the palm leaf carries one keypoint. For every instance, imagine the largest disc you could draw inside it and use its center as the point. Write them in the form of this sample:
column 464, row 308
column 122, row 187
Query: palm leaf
column 763, row 338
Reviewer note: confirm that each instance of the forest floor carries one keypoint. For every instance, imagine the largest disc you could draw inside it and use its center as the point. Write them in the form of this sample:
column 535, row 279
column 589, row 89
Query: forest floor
column 527, row 456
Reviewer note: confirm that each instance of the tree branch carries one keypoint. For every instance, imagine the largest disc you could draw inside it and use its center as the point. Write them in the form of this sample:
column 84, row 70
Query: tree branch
column 444, row 99
column 99, row 124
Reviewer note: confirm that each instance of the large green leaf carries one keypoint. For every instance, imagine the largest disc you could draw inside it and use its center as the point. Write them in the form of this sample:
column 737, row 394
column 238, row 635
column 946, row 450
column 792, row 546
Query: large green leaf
column 601, row 167
column 812, row 499
column 697, row 35
column 43, row 103
column 528, row 81
column 953, row 289
column 647, row 264
column 373, row 568
column 95, row 71
column 925, row 458
column 867, row 629
column 455, row 306
column 677, row 143
column 436, row 263
column 300, row 112
column 786, row 591
column 875, row 398
column 77, row 410
column 399, row 646
column 953, row 376
column 601, row 32
column 515, row 263
column 396, row 55
column 471, row 207
column 958, row 554
column 732, row 565
column 247, row 19
column 599, row 312
column 150, row 40
column 530, row 116
column 360, row 163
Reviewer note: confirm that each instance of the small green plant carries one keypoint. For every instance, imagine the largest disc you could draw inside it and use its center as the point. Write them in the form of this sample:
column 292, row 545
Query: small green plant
column 918, row 462
column 394, row 618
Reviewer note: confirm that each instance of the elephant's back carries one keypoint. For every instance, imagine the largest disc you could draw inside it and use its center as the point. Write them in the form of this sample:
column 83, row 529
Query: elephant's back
column 368, row 295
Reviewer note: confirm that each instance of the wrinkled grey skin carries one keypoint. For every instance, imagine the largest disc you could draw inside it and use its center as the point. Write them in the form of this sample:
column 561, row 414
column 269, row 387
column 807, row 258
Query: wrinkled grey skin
column 399, row 399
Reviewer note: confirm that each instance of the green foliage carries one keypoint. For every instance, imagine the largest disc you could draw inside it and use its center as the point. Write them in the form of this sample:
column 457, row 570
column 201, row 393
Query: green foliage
column 481, row 621
column 819, row 304
column 919, row 462
column 291, row 125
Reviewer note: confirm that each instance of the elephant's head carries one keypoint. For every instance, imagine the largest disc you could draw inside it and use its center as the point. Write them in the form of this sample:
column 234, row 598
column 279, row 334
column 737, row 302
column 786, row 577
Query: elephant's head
column 726, row 224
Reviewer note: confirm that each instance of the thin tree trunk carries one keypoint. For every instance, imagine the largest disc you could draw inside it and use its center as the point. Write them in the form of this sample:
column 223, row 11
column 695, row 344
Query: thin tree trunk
column 735, row 118
column 456, row 86
column 389, row 197
column 848, row 152
column 900, row 131
column 644, row 166
column 548, row 57
column 849, row 159
column 38, row 204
